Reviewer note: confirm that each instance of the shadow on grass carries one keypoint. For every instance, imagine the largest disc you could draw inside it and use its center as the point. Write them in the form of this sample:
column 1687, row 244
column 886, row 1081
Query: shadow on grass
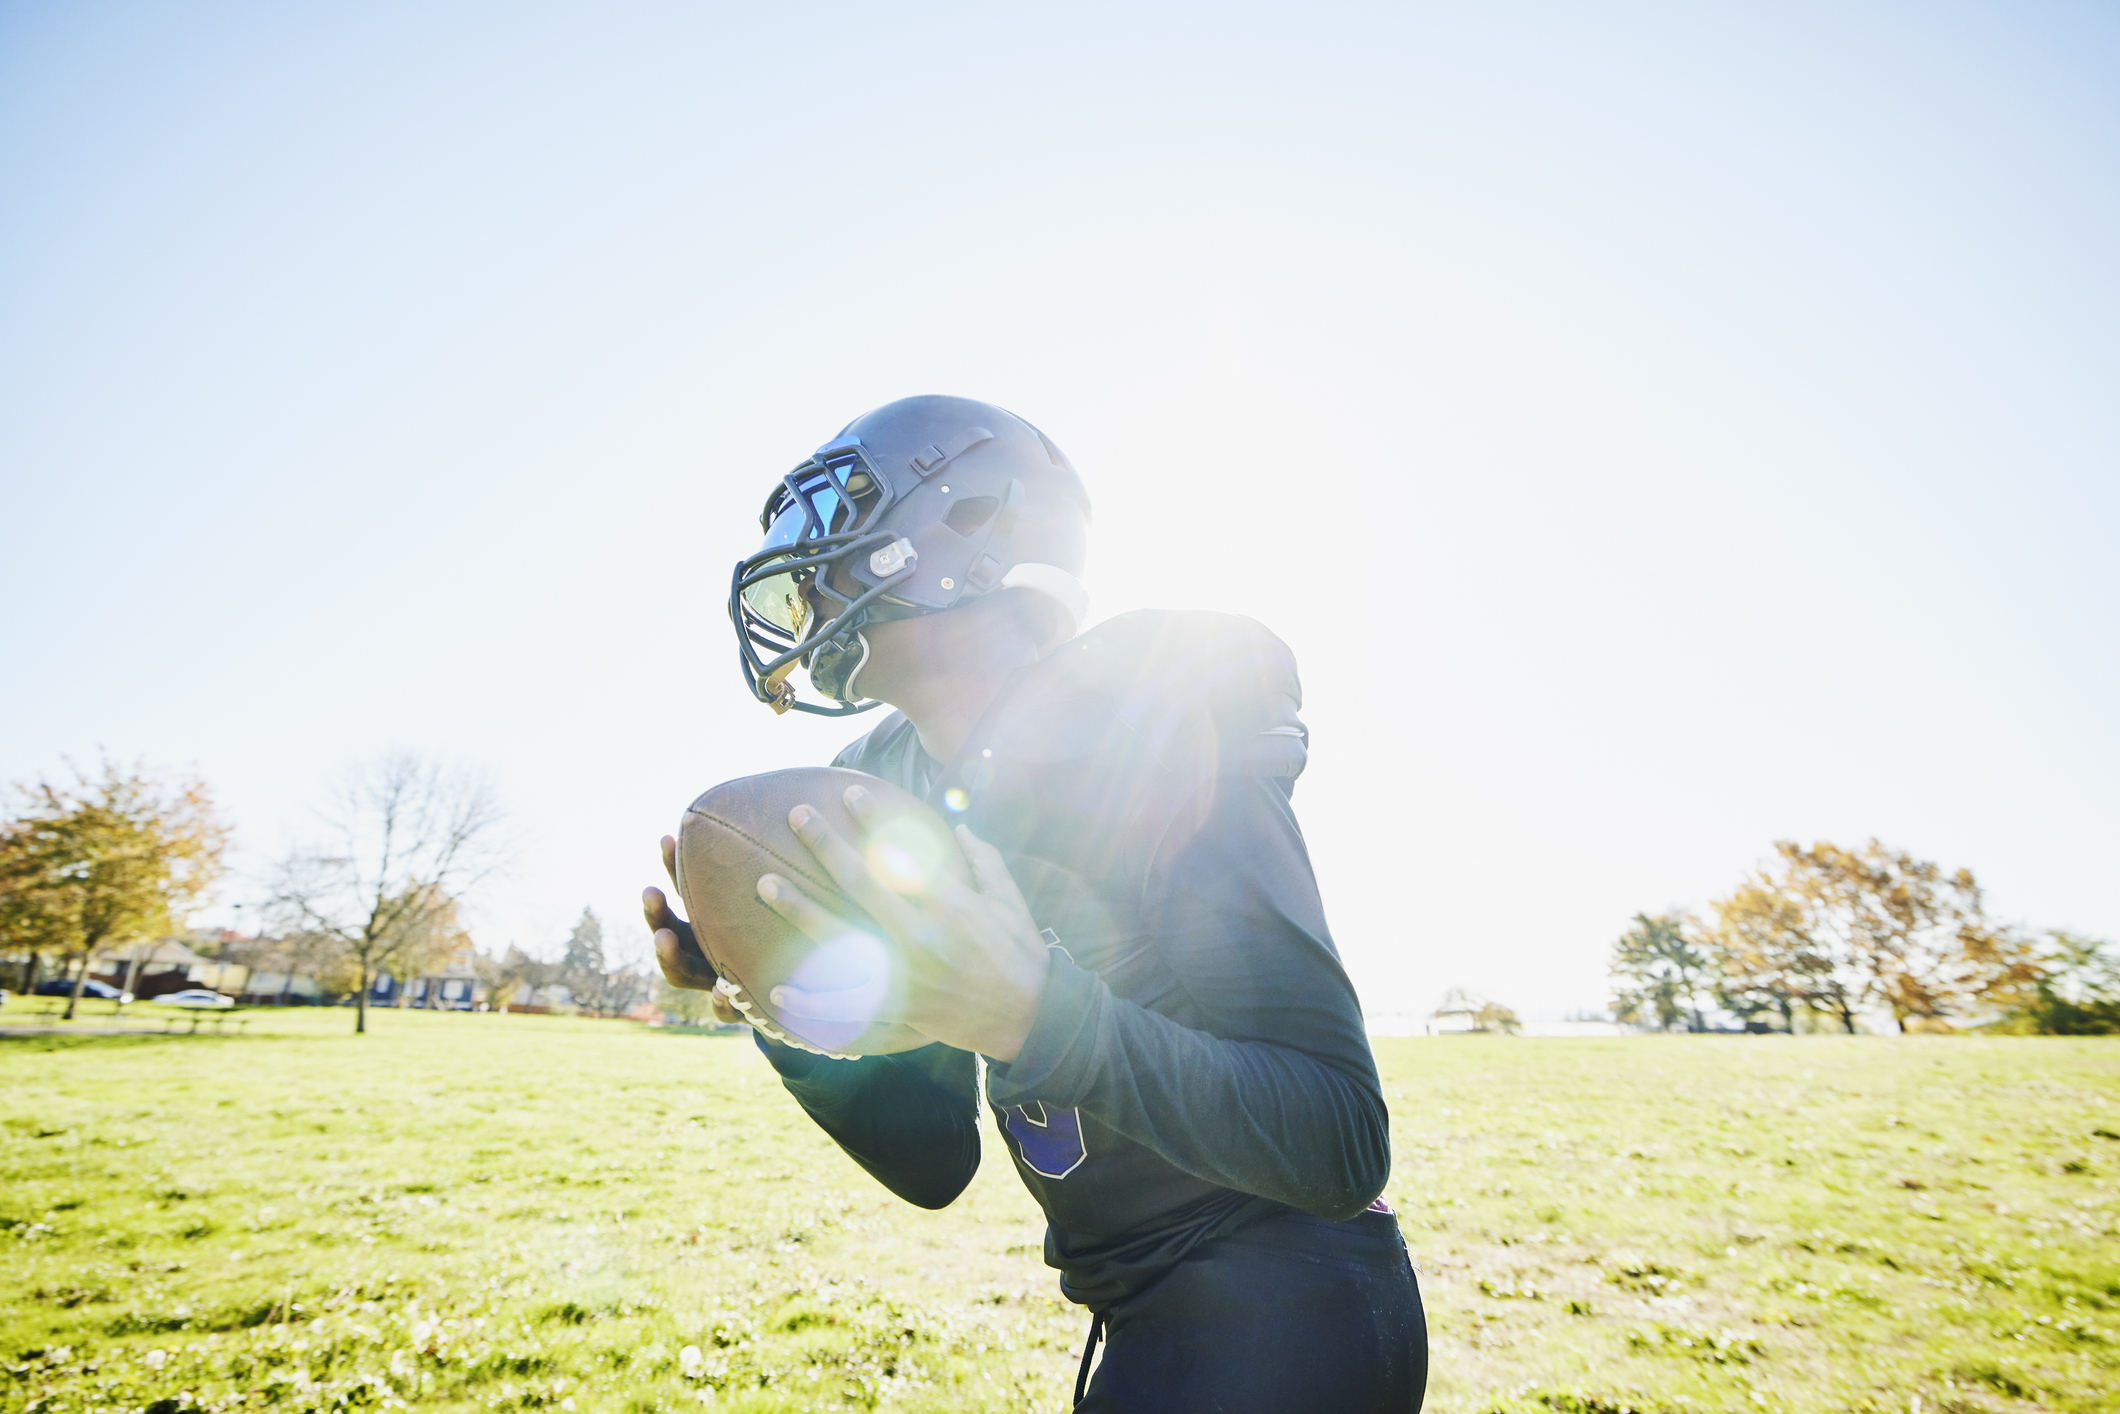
column 113, row 1040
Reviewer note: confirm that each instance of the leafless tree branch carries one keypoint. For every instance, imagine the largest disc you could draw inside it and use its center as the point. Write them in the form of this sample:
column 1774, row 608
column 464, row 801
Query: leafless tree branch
column 409, row 837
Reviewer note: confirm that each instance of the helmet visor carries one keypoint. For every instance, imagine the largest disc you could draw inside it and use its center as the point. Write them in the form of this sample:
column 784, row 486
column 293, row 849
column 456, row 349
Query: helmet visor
column 778, row 600
column 815, row 507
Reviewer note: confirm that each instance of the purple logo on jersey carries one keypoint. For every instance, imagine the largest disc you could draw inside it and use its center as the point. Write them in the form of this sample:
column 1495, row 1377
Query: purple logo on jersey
column 1050, row 1141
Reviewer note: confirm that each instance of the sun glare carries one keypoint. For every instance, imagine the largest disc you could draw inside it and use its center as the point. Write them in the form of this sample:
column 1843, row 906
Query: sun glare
column 834, row 993
column 905, row 856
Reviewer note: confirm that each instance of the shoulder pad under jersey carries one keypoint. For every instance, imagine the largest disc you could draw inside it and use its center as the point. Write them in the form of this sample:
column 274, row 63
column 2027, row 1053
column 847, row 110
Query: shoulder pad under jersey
column 1190, row 685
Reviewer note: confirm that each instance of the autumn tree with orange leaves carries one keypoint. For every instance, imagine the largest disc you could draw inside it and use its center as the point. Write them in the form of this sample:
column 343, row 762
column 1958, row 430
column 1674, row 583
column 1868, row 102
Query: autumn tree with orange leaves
column 105, row 859
column 1844, row 931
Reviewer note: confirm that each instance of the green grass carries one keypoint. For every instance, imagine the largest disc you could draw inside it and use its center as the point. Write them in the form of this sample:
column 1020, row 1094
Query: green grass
column 1763, row 1222
column 517, row 1212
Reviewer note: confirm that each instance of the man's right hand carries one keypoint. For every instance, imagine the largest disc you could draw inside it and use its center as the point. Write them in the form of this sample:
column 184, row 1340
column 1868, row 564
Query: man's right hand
column 677, row 948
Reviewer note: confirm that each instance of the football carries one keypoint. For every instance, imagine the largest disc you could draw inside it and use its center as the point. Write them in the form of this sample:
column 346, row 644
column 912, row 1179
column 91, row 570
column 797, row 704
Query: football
column 738, row 831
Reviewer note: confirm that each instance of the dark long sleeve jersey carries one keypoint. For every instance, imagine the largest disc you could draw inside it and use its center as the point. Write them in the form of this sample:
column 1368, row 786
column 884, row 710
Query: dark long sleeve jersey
column 1198, row 1060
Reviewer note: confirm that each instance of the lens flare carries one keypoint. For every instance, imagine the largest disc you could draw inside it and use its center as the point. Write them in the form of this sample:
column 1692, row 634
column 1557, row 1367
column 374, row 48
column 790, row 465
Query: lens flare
column 905, row 855
column 897, row 867
column 833, row 995
column 956, row 800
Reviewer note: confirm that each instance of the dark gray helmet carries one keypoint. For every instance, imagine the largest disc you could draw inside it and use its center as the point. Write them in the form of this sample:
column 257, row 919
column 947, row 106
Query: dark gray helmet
column 917, row 507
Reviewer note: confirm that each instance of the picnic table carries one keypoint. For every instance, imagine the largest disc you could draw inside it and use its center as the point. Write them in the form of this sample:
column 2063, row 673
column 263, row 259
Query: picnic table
column 45, row 1019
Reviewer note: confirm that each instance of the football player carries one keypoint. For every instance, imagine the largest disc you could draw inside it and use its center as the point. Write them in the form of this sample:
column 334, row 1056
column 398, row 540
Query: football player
column 1172, row 1052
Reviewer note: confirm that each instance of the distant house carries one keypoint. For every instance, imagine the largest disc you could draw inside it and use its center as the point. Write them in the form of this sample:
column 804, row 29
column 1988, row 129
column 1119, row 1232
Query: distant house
column 1464, row 1013
column 151, row 969
column 1453, row 1021
column 454, row 986
column 254, row 971
column 276, row 978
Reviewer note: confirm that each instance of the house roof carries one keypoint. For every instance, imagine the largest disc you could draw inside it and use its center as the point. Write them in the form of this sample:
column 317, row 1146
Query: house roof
column 162, row 950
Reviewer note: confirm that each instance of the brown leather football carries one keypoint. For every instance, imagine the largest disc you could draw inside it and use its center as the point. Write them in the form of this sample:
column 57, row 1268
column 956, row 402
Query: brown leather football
column 738, row 831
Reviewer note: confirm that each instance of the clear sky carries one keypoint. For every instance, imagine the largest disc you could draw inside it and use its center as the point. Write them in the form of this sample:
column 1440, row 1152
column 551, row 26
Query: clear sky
column 1659, row 429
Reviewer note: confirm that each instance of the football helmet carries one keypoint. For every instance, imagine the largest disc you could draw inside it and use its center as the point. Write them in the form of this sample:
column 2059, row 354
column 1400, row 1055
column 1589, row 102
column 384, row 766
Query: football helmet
column 920, row 506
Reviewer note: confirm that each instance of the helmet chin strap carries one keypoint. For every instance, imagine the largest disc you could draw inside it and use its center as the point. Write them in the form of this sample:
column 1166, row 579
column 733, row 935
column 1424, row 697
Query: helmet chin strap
column 852, row 693
column 825, row 661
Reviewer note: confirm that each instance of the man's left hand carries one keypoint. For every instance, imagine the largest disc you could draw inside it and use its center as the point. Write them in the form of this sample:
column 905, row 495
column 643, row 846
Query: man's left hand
column 970, row 962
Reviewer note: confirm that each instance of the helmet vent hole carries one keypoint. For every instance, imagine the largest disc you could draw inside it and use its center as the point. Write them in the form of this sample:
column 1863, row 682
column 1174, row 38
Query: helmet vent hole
column 972, row 512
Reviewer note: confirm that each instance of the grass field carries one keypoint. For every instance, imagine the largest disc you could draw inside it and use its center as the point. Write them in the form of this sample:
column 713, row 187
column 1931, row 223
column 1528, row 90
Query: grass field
column 516, row 1212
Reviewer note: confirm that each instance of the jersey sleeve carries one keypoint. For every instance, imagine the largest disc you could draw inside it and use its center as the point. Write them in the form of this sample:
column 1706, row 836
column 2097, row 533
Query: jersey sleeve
column 911, row 1120
column 1280, row 1098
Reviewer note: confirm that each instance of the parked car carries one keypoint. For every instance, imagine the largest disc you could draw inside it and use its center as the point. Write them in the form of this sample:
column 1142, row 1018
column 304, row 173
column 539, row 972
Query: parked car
column 196, row 997
column 101, row 991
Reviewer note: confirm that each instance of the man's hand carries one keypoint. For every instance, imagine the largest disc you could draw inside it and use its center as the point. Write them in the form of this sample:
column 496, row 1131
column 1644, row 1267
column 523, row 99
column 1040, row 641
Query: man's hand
column 676, row 948
column 970, row 962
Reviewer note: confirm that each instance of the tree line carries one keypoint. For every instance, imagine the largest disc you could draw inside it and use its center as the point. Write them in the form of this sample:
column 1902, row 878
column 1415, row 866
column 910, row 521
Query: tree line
column 400, row 846
column 594, row 983
column 1823, row 935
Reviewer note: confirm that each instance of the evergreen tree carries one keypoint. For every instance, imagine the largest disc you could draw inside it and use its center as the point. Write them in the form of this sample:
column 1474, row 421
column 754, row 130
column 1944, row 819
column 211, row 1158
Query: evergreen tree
column 582, row 968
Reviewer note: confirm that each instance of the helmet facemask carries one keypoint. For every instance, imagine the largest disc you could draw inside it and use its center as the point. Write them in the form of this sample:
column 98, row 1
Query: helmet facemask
column 789, row 606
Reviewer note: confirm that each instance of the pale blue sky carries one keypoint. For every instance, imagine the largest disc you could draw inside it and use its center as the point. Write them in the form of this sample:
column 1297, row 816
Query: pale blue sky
column 1659, row 429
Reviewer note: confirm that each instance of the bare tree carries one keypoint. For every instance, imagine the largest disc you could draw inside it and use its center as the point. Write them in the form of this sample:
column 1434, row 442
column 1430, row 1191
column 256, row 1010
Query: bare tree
column 686, row 1006
column 627, row 988
column 404, row 838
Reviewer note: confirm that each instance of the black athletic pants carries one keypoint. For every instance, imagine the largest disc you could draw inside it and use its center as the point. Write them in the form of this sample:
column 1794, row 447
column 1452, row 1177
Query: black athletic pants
column 1292, row 1315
